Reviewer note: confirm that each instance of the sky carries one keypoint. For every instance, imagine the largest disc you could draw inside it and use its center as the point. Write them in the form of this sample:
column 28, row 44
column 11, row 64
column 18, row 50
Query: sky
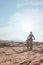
column 19, row 17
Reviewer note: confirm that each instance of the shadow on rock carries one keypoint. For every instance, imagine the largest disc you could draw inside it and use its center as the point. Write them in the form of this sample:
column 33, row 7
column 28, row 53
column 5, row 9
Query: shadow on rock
column 25, row 63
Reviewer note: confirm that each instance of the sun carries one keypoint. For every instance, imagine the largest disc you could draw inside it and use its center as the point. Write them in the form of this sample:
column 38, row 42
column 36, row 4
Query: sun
column 27, row 26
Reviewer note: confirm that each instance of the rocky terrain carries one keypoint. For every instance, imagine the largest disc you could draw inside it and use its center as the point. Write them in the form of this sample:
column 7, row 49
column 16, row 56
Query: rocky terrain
column 19, row 55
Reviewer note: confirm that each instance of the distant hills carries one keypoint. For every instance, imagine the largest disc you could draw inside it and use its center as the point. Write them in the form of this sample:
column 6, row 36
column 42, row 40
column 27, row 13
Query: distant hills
column 15, row 44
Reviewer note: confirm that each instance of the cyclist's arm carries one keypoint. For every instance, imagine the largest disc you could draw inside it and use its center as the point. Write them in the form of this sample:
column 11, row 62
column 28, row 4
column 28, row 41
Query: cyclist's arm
column 33, row 37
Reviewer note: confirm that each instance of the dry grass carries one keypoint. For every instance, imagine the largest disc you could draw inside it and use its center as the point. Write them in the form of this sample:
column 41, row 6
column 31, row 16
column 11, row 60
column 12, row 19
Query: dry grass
column 21, row 56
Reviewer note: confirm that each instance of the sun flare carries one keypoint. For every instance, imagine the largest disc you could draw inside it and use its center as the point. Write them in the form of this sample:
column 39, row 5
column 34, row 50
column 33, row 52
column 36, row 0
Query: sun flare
column 27, row 26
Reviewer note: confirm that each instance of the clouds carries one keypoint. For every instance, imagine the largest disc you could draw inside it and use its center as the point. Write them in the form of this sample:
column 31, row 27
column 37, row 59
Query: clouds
column 20, row 24
column 30, row 4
